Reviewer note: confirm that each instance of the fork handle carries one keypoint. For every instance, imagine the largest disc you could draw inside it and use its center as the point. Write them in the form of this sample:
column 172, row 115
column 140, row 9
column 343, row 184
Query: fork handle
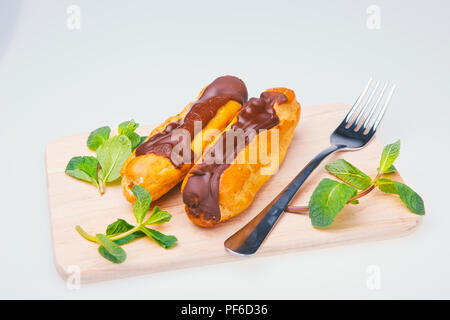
column 249, row 238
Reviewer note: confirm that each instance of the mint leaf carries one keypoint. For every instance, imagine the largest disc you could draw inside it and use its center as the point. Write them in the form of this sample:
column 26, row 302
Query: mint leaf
column 390, row 153
column 327, row 201
column 111, row 155
column 83, row 168
column 110, row 250
column 158, row 216
column 386, row 185
column 142, row 203
column 98, row 137
column 135, row 139
column 105, row 254
column 356, row 201
column 129, row 238
column 143, row 138
column 391, row 169
column 127, row 128
column 348, row 173
column 410, row 198
column 118, row 227
column 121, row 226
column 163, row 240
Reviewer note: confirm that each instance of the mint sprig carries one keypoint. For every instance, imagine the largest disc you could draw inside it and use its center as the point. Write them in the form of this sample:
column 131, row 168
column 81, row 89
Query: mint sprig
column 111, row 154
column 121, row 232
column 330, row 197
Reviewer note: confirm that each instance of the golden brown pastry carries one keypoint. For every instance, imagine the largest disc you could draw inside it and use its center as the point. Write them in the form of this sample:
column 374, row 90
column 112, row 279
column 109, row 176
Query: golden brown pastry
column 225, row 180
column 163, row 160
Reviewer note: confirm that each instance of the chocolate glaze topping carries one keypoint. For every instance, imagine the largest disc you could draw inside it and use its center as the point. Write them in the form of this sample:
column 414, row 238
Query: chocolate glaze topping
column 217, row 94
column 201, row 192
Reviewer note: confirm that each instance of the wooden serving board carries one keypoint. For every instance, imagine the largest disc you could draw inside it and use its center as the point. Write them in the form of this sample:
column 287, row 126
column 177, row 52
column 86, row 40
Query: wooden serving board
column 73, row 202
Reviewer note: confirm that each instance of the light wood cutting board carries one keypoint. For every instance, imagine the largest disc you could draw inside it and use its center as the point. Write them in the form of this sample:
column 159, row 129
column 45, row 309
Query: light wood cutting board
column 73, row 202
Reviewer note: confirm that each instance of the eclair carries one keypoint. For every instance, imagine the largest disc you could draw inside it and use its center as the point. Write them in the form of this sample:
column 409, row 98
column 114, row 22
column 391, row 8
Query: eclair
column 226, row 178
column 170, row 151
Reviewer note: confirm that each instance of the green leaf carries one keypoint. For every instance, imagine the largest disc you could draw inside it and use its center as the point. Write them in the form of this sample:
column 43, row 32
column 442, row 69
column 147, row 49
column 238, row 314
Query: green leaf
column 129, row 238
column 98, row 137
column 135, row 140
column 118, row 227
column 356, row 201
column 111, row 155
column 327, row 201
column 410, row 198
column 121, row 226
column 163, row 240
column 348, row 173
column 110, row 250
column 390, row 153
column 143, row 138
column 158, row 216
column 386, row 185
column 391, row 169
column 105, row 254
column 142, row 203
column 83, row 168
column 127, row 128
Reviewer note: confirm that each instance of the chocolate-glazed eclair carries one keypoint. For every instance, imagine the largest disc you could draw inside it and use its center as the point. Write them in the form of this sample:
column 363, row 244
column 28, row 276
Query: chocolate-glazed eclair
column 225, row 180
column 171, row 149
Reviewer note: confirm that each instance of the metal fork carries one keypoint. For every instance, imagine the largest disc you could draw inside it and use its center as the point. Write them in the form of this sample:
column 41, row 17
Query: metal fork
column 352, row 134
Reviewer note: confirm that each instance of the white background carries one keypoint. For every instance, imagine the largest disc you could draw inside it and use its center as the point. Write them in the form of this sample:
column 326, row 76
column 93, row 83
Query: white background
column 146, row 59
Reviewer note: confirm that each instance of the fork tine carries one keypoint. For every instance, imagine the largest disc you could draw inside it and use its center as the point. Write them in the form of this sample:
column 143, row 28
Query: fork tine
column 383, row 111
column 361, row 113
column 357, row 102
column 375, row 107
